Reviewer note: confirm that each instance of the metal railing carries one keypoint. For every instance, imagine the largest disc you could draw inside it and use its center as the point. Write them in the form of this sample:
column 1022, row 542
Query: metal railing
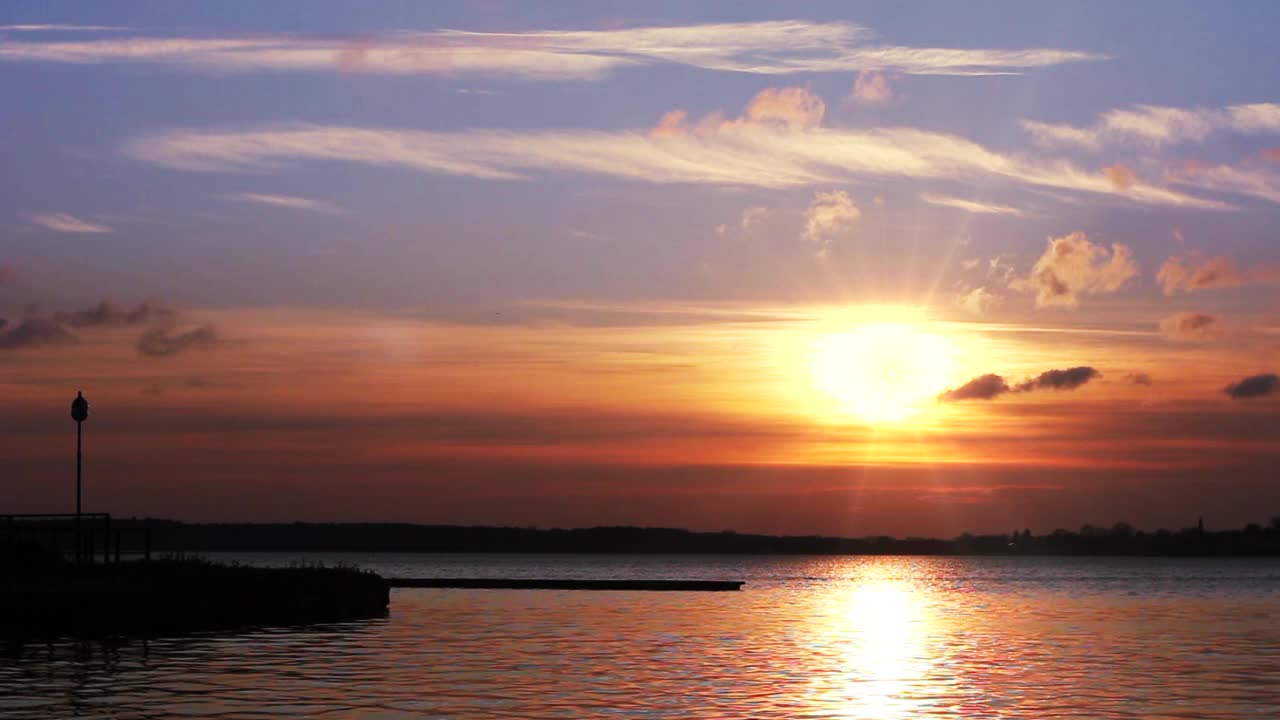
column 84, row 541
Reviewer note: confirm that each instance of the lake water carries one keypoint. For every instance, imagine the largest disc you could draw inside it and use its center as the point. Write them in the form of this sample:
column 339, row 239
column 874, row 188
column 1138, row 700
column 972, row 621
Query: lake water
column 878, row 638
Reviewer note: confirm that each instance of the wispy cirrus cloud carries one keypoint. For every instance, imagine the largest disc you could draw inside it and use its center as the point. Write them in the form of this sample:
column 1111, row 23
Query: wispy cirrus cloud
column 1253, row 179
column 291, row 202
column 1154, row 125
column 771, row 48
column 68, row 223
column 54, row 28
column 969, row 206
column 777, row 143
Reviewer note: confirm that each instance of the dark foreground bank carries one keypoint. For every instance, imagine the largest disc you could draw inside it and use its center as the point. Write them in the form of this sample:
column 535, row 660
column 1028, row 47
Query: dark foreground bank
column 178, row 596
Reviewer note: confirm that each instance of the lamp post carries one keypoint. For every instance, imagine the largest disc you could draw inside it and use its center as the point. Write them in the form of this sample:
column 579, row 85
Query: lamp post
column 79, row 413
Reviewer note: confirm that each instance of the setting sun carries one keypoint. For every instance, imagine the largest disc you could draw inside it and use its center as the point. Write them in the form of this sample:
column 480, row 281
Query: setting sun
column 883, row 372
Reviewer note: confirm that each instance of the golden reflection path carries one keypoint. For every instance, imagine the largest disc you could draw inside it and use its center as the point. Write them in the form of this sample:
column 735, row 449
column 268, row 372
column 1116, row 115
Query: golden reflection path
column 880, row 625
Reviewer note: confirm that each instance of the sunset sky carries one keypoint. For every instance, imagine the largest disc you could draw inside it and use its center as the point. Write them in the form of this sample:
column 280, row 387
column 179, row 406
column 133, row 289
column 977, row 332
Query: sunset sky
column 903, row 268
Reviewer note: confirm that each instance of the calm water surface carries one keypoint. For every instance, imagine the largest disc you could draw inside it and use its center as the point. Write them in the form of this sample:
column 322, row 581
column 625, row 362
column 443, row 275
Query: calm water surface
column 880, row 638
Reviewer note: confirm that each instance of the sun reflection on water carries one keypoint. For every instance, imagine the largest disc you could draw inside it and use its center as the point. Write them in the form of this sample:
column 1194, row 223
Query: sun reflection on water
column 883, row 624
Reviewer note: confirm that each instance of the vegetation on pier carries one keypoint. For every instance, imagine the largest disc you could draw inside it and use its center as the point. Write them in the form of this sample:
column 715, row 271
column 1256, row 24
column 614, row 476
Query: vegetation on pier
column 44, row 596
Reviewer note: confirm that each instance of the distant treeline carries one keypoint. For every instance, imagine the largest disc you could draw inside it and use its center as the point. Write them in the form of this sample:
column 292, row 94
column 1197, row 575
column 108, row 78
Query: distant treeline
column 1119, row 539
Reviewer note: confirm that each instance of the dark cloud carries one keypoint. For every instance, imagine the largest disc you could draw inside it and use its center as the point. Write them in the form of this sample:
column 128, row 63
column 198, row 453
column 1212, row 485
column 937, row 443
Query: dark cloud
column 1140, row 378
column 8, row 274
column 1068, row 379
column 163, row 342
column 1254, row 386
column 35, row 332
column 991, row 386
column 38, row 329
column 109, row 314
column 983, row 387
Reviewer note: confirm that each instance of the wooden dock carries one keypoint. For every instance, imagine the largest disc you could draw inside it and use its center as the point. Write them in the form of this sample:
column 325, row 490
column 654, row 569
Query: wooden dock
column 538, row 584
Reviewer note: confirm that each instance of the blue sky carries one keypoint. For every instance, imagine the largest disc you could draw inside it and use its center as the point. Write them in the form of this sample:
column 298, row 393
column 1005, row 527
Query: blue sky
column 69, row 122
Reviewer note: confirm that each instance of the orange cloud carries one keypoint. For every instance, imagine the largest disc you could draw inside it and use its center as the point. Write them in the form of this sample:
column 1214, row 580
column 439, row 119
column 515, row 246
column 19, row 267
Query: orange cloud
column 1188, row 274
column 790, row 107
column 1121, row 176
column 1191, row 327
column 1271, row 154
column 1073, row 266
column 786, row 108
column 672, row 124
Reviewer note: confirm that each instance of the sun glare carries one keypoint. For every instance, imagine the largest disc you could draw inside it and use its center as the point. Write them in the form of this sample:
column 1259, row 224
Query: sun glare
column 884, row 372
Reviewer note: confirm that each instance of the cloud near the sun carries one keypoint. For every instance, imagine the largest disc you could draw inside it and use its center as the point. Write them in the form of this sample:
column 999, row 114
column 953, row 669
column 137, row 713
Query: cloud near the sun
column 978, row 301
column 1068, row 379
column 1073, row 266
column 991, row 386
column 829, row 215
column 983, row 387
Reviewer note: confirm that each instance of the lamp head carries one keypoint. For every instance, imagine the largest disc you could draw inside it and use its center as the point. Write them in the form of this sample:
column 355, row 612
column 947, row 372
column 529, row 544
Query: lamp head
column 79, row 408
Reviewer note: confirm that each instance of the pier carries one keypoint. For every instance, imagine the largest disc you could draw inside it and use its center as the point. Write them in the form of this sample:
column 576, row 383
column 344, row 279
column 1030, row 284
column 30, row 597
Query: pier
column 541, row 584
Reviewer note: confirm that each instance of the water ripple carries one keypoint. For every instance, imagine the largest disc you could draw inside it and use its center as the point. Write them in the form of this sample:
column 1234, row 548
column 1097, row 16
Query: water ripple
column 876, row 638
